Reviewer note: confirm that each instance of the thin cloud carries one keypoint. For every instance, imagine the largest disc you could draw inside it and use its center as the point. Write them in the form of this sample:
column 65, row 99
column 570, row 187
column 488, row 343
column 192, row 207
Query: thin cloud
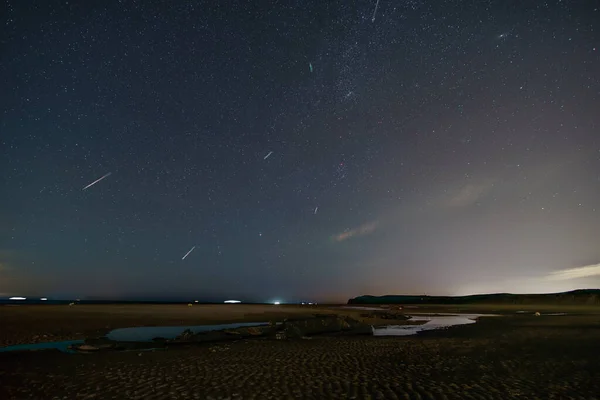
column 575, row 273
column 360, row 231
column 469, row 194
column 7, row 258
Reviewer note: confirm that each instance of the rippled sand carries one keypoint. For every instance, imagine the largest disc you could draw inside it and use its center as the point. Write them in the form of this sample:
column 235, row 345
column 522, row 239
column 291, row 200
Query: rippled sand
column 498, row 358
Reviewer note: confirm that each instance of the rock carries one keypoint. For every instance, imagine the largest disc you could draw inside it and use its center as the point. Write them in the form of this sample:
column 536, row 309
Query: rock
column 87, row 347
column 320, row 325
column 385, row 315
column 185, row 335
column 296, row 328
column 106, row 346
column 254, row 331
column 280, row 335
column 99, row 342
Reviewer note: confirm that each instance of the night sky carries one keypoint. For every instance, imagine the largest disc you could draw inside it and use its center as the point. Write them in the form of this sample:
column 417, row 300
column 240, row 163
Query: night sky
column 309, row 150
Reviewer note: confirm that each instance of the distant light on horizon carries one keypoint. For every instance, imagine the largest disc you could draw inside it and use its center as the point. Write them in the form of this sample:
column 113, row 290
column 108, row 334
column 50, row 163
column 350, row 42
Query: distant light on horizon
column 44, row 299
column 232, row 301
column 18, row 298
column 276, row 303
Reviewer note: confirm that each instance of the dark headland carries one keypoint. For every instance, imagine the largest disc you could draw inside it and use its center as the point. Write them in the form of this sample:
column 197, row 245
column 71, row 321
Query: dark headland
column 574, row 297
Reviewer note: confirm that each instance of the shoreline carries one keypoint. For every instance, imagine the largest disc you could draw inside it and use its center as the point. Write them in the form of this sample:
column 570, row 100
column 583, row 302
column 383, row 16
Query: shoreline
column 52, row 323
column 29, row 324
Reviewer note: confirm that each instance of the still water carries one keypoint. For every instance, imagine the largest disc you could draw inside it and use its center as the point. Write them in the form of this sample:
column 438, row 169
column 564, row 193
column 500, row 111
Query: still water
column 437, row 321
column 135, row 334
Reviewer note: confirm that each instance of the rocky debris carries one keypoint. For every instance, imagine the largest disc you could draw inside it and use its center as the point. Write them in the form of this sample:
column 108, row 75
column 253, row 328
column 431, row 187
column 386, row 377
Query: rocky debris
column 322, row 324
column 215, row 349
column 280, row 335
column 42, row 338
column 105, row 344
column 385, row 315
column 225, row 334
column 254, row 331
column 87, row 347
column 288, row 329
column 186, row 335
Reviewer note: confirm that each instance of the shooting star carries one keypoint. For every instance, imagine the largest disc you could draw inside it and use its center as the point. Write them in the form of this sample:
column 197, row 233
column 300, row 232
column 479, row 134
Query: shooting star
column 97, row 180
column 310, row 67
column 267, row 156
column 316, row 208
column 375, row 12
column 188, row 253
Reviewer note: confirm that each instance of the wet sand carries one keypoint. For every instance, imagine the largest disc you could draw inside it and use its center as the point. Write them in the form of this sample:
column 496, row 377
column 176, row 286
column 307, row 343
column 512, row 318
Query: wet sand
column 513, row 357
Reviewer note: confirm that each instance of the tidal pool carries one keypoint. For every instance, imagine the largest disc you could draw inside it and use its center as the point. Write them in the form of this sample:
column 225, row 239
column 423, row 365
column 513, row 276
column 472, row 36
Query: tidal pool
column 134, row 334
column 436, row 321
column 62, row 346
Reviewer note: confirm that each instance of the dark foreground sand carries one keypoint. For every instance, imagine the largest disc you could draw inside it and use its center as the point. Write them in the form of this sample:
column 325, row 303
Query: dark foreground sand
column 516, row 357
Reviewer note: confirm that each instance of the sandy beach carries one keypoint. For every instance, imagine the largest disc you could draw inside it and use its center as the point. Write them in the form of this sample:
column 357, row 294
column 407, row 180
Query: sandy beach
column 33, row 324
column 516, row 356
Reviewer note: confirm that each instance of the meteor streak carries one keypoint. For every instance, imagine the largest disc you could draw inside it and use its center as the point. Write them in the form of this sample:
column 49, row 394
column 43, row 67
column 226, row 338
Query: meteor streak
column 188, row 253
column 97, row 180
column 375, row 12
